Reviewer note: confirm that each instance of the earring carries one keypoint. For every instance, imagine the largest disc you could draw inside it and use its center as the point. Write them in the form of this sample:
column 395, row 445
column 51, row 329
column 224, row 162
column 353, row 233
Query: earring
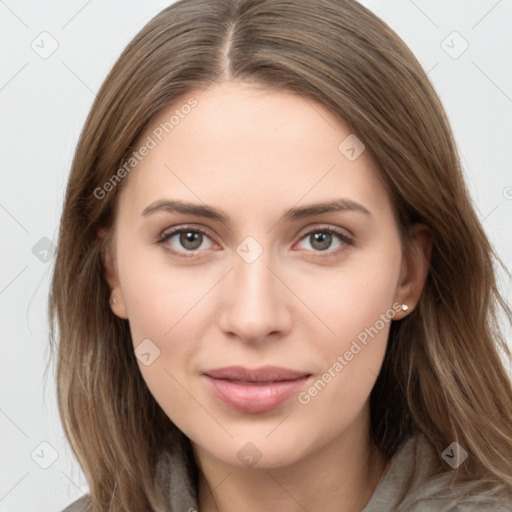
column 405, row 307
column 113, row 300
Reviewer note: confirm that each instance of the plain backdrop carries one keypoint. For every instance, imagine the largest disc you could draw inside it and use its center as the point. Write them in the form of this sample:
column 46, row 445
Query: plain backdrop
column 55, row 55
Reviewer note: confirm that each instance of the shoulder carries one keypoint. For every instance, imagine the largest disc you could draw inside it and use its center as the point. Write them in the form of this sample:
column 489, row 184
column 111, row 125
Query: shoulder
column 413, row 484
column 457, row 502
column 81, row 505
column 435, row 492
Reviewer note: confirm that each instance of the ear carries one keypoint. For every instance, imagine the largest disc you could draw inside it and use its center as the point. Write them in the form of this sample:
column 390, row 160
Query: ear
column 116, row 302
column 415, row 267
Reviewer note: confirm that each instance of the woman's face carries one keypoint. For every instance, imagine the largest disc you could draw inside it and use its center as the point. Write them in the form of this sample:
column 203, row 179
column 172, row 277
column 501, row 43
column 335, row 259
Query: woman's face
column 262, row 278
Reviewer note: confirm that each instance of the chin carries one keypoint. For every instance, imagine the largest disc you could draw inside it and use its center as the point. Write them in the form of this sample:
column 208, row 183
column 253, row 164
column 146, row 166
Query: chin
column 254, row 450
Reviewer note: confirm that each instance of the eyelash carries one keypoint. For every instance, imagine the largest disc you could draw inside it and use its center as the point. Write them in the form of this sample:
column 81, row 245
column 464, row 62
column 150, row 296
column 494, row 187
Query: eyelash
column 164, row 237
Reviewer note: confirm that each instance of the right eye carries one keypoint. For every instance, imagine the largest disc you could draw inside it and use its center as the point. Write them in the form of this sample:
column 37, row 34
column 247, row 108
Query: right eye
column 190, row 239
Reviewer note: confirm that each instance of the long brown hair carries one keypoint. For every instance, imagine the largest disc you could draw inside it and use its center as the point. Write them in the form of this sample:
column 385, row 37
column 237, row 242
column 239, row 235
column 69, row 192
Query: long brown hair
column 443, row 372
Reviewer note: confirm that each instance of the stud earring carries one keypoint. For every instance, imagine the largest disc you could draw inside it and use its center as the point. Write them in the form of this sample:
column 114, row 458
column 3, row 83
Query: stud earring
column 405, row 307
column 113, row 300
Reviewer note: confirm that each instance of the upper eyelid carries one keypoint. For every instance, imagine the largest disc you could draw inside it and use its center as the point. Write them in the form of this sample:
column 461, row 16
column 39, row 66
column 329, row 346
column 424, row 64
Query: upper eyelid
column 178, row 229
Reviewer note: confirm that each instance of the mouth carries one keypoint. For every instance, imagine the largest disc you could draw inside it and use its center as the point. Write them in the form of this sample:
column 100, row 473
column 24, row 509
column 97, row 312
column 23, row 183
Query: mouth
column 254, row 390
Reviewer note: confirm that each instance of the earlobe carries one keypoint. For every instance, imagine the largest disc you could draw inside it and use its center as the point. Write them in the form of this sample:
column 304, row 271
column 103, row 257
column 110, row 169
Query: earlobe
column 116, row 300
column 117, row 305
column 415, row 267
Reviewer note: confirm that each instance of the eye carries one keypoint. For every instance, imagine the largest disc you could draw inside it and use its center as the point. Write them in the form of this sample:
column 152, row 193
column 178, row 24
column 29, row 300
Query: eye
column 181, row 240
column 187, row 239
column 322, row 239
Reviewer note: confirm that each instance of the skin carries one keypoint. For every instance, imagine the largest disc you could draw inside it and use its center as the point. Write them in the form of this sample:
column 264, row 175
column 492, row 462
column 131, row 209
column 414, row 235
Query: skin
column 255, row 153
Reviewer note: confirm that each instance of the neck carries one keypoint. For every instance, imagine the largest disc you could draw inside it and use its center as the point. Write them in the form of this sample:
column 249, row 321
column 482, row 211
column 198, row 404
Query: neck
column 340, row 476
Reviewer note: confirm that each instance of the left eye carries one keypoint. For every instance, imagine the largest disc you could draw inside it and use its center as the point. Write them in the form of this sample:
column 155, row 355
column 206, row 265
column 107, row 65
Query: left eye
column 192, row 240
column 320, row 240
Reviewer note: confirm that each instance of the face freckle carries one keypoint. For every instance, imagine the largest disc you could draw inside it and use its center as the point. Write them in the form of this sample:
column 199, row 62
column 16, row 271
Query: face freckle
column 254, row 287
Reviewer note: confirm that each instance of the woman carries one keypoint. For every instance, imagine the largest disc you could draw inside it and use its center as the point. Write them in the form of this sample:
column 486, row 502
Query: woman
column 271, row 288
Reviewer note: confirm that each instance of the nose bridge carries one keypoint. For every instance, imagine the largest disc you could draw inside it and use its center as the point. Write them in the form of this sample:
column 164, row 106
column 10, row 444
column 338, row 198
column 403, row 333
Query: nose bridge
column 252, row 307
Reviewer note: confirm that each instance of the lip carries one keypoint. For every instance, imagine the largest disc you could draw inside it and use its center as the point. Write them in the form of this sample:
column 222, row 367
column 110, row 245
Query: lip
column 254, row 390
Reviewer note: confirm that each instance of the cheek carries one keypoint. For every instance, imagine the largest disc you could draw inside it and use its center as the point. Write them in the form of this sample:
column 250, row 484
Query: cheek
column 355, row 305
column 351, row 358
column 352, row 297
column 167, row 308
column 158, row 294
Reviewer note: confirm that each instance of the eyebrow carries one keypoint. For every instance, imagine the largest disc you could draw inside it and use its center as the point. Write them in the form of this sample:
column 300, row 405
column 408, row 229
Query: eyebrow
column 296, row 213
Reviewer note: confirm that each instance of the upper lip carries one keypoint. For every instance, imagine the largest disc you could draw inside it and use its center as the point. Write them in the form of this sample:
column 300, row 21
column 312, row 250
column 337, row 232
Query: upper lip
column 262, row 374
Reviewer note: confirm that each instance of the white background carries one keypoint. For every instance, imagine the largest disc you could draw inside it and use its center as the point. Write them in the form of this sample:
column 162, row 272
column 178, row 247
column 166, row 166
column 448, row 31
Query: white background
column 44, row 103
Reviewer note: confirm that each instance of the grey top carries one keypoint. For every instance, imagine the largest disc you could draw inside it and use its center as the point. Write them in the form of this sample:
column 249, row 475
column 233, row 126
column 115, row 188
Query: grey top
column 409, row 485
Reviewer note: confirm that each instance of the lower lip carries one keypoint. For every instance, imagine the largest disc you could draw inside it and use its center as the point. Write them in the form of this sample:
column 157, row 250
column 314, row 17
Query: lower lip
column 252, row 397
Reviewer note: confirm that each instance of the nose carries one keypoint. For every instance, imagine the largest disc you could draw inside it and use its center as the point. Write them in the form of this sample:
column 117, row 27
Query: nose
column 256, row 304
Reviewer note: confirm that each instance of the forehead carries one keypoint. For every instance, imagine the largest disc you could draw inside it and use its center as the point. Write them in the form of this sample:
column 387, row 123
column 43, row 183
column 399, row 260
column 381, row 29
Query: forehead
column 250, row 147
